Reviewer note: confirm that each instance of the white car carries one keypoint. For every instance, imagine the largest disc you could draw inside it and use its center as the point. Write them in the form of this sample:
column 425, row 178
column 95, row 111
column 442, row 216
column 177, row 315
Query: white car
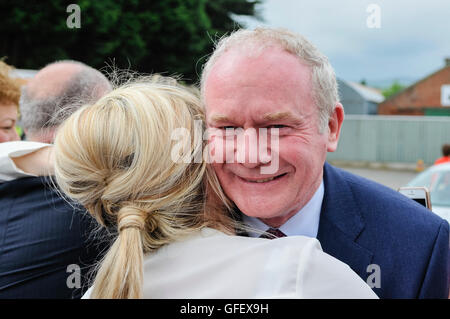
column 437, row 180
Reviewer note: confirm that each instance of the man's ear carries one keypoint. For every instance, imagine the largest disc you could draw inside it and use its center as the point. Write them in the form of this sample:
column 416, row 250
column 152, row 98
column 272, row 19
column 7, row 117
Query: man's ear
column 334, row 127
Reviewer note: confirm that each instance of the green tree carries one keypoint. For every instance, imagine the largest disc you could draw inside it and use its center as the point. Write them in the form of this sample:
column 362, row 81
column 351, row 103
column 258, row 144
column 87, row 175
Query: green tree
column 393, row 89
column 169, row 36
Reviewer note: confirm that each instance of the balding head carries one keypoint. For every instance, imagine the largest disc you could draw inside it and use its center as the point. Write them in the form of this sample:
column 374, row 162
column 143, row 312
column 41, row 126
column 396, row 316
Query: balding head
column 54, row 93
column 52, row 79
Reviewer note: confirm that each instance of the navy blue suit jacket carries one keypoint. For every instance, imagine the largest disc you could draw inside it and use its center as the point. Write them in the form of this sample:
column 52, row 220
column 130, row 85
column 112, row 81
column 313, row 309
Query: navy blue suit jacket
column 40, row 236
column 364, row 223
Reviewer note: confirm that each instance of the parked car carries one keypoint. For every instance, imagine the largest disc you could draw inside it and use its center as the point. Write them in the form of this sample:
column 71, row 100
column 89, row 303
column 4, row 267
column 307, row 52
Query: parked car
column 437, row 180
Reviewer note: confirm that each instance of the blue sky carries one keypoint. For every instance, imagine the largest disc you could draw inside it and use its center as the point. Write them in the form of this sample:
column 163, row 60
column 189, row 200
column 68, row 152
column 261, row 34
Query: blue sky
column 411, row 43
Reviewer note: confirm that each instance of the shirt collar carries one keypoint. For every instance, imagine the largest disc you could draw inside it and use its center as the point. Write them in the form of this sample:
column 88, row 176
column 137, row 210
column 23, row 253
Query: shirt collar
column 304, row 223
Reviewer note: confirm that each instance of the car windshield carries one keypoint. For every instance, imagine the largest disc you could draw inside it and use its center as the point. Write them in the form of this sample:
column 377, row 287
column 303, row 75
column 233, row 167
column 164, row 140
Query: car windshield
column 438, row 183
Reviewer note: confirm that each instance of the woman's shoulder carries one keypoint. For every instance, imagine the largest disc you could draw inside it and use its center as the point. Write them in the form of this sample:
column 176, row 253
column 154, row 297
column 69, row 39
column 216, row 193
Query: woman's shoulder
column 212, row 264
column 235, row 266
column 296, row 263
column 218, row 247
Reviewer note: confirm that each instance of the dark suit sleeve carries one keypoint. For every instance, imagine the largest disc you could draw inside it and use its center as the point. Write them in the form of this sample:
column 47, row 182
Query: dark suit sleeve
column 96, row 243
column 436, row 281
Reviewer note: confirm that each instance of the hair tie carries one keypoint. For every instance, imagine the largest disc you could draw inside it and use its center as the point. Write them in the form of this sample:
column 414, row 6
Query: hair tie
column 131, row 217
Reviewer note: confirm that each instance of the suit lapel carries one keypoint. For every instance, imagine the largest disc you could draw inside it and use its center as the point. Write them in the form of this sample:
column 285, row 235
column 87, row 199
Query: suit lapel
column 341, row 223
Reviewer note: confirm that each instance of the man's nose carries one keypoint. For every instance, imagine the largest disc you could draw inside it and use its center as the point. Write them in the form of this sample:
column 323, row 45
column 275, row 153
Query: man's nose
column 250, row 152
column 261, row 160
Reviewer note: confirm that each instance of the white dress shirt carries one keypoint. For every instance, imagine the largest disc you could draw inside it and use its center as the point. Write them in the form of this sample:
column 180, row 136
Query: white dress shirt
column 8, row 170
column 211, row 264
column 304, row 223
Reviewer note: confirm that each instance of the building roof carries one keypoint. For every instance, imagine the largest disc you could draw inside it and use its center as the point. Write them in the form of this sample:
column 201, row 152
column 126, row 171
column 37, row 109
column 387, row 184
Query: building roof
column 368, row 93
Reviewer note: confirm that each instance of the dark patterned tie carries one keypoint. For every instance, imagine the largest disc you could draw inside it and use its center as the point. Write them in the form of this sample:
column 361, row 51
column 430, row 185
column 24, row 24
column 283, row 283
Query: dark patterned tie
column 273, row 231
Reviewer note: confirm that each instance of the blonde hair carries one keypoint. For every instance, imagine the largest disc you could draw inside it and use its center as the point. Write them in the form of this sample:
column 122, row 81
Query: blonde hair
column 114, row 157
column 324, row 85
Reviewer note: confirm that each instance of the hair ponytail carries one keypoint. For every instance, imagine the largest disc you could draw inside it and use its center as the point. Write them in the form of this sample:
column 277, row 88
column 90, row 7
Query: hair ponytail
column 121, row 273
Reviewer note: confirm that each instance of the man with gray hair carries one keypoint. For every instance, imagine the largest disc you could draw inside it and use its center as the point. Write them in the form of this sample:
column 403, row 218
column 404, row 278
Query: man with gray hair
column 47, row 247
column 54, row 93
column 277, row 80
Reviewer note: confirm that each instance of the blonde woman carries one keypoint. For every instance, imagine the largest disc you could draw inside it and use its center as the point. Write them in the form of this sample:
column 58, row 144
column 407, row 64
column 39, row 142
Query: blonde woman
column 174, row 235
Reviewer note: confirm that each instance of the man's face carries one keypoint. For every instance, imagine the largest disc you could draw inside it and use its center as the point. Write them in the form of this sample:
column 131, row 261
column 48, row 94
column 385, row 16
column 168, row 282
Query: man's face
column 271, row 90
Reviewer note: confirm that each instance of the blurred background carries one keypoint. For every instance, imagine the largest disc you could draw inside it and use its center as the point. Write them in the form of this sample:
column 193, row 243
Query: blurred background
column 392, row 59
column 170, row 36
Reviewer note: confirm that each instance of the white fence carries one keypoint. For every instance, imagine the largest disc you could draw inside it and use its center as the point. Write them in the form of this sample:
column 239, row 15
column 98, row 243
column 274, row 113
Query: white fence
column 388, row 139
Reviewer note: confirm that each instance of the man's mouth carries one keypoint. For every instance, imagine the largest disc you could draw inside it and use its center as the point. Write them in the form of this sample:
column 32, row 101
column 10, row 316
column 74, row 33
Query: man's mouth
column 263, row 180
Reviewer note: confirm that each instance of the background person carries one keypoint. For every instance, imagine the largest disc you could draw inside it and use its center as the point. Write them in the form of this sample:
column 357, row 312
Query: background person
column 273, row 78
column 54, row 93
column 445, row 155
column 9, row 104
column 45, row 238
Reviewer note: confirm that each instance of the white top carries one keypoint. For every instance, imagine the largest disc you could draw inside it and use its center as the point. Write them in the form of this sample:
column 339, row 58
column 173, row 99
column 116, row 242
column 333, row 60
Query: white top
column 8, row 170
column 211, row 264
column 304, row 223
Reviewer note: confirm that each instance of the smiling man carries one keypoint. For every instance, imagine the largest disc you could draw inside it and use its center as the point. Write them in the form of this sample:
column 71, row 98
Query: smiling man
column 275, row 79
column 274, row 90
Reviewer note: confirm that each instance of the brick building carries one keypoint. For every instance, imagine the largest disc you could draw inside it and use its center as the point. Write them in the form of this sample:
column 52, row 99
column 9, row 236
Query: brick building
column 429, row 96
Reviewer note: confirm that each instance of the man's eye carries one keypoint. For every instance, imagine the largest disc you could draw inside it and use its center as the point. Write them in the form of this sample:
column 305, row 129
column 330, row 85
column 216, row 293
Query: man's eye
column 227, row 127
column 277, row 126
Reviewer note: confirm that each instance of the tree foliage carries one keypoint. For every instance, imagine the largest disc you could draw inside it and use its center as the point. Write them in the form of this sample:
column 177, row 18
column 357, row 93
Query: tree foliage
column 393, row 89
column 169, row 36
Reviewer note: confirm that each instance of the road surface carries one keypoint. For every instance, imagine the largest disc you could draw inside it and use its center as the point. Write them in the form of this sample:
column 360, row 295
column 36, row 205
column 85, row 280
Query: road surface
column 390, row 178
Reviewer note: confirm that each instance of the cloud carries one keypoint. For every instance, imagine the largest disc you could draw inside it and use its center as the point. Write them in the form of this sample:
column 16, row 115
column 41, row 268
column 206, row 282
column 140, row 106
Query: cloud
column 412, row 42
